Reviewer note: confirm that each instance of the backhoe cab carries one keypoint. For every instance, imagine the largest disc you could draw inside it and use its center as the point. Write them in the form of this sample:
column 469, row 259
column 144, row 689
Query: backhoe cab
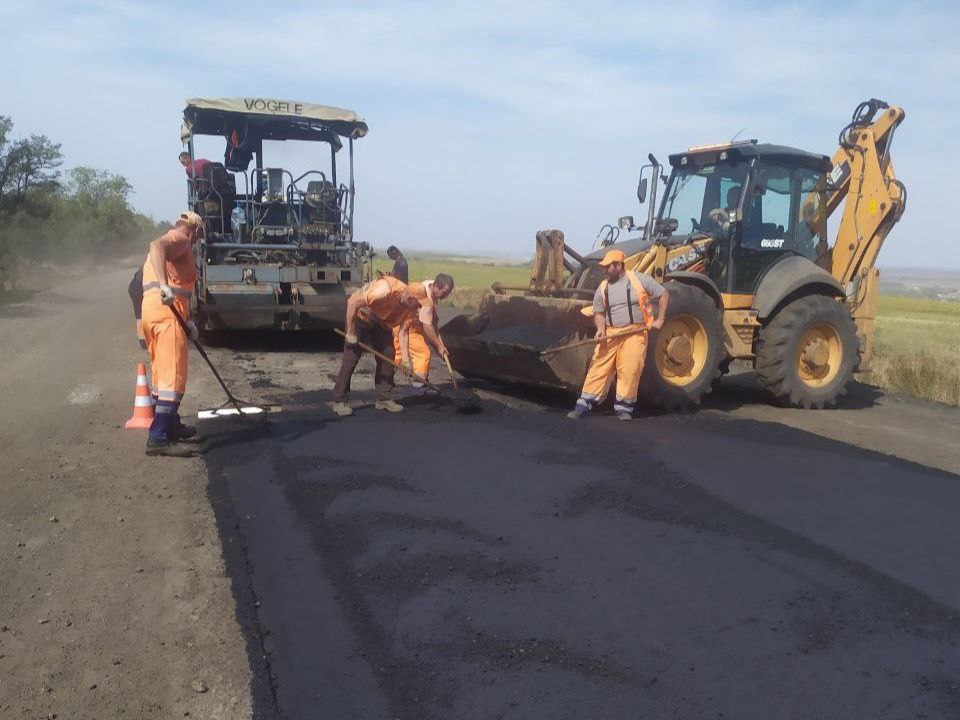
column 741, row 242
column 278, row 249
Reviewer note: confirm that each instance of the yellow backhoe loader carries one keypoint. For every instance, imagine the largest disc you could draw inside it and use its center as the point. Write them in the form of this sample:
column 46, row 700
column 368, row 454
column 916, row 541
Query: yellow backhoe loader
column 741, row 242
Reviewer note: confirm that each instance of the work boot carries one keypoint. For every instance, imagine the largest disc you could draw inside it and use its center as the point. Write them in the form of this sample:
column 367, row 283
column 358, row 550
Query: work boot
column 168, row 449
column 389, row 406
column 185, row 432
column 624, row 415
column 576, row 414
column 341, row 409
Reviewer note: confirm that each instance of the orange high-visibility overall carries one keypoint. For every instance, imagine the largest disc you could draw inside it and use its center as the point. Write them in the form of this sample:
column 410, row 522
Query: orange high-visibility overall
column 420, row 353
column 166, row 340
column 383, row 311
column 623, row 352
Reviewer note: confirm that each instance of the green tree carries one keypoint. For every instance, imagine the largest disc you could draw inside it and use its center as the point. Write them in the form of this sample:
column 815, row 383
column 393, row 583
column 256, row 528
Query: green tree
column 29, row 168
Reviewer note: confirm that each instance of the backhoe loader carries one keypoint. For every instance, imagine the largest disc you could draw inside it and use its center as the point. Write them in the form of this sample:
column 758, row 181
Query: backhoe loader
column 741, row 243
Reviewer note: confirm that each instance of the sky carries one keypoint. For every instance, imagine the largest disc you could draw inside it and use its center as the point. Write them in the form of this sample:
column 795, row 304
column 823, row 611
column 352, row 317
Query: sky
column 492, row 120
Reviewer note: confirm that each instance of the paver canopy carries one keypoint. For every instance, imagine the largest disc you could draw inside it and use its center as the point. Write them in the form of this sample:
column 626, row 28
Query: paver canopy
column 270, row 119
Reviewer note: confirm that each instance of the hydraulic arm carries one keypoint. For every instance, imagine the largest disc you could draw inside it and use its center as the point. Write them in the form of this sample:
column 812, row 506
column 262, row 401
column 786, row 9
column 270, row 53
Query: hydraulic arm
column 863, row 174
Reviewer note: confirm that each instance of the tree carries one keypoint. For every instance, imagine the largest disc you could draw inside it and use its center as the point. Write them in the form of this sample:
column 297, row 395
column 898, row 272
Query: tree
column 94, row 188
column 27, row 166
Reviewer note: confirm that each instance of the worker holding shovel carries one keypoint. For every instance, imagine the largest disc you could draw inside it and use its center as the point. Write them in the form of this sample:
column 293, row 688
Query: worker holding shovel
column 622, row 314
column 169, row 274
column 373, row 312
column 412, row 340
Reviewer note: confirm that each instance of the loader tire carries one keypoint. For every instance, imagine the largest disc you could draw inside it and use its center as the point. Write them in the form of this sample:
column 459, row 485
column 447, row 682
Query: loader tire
column 683, row 357
column 807, row 352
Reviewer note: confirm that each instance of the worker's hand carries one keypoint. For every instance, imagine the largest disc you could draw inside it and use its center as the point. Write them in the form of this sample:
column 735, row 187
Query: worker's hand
column 406, row 366
column 600, row 335
column 192, row 330
column 166, row 294
column 350, row 339
column 656, row 324
column 444, row 353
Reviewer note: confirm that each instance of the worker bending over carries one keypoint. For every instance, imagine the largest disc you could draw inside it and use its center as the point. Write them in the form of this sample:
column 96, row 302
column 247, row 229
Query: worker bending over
column 169, row 274
column 413, row 339
column 373, row 312
column 622, row 315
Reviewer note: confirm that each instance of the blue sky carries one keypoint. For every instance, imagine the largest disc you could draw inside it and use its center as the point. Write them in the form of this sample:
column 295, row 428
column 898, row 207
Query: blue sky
column 489, row 121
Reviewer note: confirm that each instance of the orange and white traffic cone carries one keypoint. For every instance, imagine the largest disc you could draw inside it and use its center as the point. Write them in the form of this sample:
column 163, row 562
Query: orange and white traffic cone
column 142, row 402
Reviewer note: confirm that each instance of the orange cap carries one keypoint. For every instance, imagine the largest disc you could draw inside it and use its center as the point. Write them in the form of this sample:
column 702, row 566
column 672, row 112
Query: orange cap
column 613, row 256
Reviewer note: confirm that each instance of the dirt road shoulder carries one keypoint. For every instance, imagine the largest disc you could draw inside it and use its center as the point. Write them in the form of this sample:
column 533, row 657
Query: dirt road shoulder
column 114, row 601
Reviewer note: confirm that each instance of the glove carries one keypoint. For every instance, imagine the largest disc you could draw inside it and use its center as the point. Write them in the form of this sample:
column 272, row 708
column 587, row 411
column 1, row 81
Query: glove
column 166, row 294
column 192, row 330
column 350, row 339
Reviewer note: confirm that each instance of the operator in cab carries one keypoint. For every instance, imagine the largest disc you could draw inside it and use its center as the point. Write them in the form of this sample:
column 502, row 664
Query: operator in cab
column 373, row 312
column 195, row 169
column 169, row 274
column 622, row 313
column 412, row 340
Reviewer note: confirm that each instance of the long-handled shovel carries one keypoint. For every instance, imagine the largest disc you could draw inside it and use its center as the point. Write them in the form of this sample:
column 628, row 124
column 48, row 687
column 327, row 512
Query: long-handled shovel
column 240, row 407
column 464, row 405
column 590, row 341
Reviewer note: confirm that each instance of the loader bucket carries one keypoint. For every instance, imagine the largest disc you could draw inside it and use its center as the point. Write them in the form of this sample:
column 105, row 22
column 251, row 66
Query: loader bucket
column 503, row 341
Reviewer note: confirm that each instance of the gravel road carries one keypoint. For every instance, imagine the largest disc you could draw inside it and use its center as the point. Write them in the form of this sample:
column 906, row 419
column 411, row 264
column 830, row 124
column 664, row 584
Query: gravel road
column 114, row 602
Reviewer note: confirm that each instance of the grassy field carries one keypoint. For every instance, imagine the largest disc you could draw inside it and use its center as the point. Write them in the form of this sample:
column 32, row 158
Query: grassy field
column 917, row 348
column 471, row 277
column 917, row 345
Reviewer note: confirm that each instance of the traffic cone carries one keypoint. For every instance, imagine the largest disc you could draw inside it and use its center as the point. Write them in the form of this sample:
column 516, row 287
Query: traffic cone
column 142, row 402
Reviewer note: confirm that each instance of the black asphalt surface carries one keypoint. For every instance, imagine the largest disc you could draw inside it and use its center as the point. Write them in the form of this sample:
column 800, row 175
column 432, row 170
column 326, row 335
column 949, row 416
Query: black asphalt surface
column 516, row 564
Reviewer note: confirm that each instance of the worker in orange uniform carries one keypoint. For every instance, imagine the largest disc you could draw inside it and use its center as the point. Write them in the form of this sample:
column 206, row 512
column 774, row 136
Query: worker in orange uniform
column 622, row 314
column 169, row 274
column 373, row 312
column 412, row 341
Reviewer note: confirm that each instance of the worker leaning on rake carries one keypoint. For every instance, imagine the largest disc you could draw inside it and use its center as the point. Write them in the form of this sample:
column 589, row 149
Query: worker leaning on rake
column 413, row 339
column 169, row 275
column 622, row 314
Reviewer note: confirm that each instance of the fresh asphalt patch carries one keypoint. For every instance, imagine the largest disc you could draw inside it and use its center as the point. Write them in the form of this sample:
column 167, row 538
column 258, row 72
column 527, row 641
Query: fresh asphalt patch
column 516, row 564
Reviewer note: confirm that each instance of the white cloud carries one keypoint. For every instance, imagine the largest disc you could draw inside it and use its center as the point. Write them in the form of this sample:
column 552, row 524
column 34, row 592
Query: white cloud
column 491, row 120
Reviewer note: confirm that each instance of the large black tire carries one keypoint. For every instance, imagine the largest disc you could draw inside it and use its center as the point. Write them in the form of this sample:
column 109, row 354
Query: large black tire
column 781, row 369
column 666, row 384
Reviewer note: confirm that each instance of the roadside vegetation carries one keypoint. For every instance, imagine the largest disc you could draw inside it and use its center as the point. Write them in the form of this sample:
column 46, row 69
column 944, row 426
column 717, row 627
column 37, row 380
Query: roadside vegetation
column 472, row 277
column 917, row 348
column 54, row 218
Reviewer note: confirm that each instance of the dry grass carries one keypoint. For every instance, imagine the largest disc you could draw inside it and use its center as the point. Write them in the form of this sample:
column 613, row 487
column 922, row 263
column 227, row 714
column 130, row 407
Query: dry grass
column 917, row 348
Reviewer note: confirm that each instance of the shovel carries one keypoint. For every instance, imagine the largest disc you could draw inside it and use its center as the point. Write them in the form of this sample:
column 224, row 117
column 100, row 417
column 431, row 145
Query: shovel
column 465, row 404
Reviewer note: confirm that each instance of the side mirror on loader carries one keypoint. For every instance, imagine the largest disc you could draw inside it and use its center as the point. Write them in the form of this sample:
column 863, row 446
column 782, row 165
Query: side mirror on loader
column 642, row 190
column 626, row 222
